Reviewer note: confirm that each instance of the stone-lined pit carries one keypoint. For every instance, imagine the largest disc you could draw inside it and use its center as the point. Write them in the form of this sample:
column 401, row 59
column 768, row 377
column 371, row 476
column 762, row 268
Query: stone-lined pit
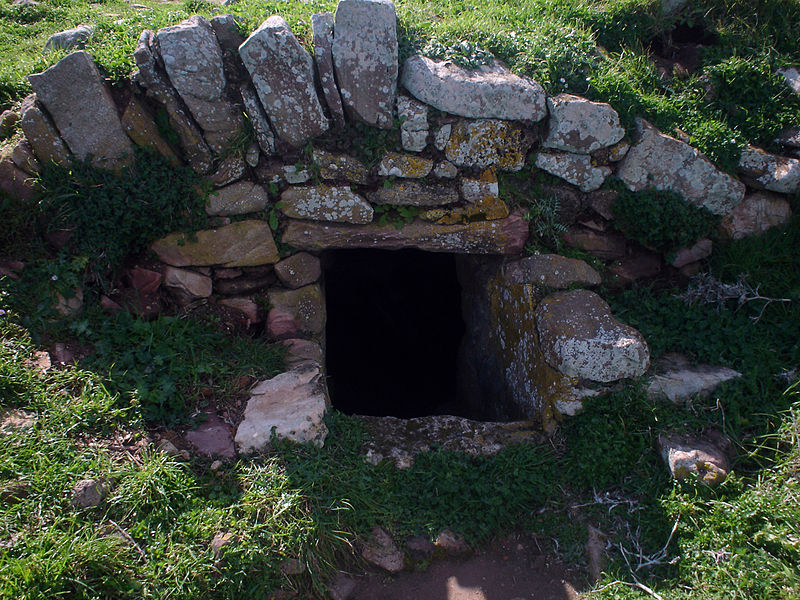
column 393, row 332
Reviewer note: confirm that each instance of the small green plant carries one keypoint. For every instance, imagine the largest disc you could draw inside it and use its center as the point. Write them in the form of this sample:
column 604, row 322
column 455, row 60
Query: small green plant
column 464, row 53
column 398, row 216
column 661, row 220
column 543, row 215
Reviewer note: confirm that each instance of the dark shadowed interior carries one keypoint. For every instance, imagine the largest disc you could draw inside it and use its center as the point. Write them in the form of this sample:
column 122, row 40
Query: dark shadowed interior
column 393, row 333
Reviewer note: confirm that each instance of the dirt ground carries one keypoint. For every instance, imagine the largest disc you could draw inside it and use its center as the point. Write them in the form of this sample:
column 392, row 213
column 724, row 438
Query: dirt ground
column 511, row 568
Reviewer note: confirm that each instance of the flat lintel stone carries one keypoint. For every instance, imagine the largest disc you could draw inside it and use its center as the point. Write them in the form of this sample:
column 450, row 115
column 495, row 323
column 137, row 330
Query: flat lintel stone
column 503, row 236
column 75, row 95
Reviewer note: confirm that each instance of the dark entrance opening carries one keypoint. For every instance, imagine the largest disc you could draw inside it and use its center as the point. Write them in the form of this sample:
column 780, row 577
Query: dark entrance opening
column 393, row 333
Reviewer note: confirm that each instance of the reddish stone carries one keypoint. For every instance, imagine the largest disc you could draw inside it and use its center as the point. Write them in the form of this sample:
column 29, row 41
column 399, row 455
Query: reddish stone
column 212, row 438
column 610, row 246
column 637, row 266
column 281, row 324
column 109, row 305
column 15, row 182
column 144, row 281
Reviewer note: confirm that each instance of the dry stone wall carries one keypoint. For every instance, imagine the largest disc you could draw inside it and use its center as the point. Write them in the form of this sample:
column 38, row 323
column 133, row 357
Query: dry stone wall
column 531, row 351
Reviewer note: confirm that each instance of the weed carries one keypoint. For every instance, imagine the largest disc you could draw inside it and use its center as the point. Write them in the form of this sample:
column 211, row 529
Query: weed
column 543, row 215
column 398, row 216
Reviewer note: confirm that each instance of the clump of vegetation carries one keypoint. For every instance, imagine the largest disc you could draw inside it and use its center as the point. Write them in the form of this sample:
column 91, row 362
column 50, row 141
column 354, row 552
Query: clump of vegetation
column 398, row 216
column 114, row 215
column 661, row 220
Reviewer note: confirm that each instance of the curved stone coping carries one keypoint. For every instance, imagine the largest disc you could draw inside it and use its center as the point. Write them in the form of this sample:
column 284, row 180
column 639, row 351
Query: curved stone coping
column 503, row 236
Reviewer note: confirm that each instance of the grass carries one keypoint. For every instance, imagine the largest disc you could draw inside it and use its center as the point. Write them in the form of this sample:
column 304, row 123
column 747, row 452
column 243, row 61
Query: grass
column 150, row 538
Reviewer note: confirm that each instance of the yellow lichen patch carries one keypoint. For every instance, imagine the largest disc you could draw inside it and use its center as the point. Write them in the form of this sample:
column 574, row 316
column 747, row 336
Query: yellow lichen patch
column 489, row 208
column 404, row 165
column 488, row 175
column 487, row 143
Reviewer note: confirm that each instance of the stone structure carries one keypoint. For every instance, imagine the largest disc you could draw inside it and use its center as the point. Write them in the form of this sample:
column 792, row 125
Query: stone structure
column 535, row 346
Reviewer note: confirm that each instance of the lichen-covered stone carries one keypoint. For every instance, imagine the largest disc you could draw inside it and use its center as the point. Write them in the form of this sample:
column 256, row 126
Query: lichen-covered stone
column 258, row 118
column 445, row 170
column 325, row 203
column 76, row 97
column 229, row 169
column 678, row 380
column 487, row 92
column 298, row 270
column 395, row 164
column 381, row 551
column 770, row 171
column 488, row 208
column 138, row 123
column 322, row 27
column 664, row 163
column 335, row 166
column 704, row 457
column 41, row 133
column 504, row 236
column 283, row 75
column 581, row 126
column 581, row 338
column 413, row 118
column 305, row 304
column 241, row 244
column 475, row 190
column 414, row 193
column 365, row 59
column 69, row 38
column 486, row 143
column 193, row 61
column 576, row 169
column 442, row 136
column 756, row 214
column 551, row 271
column 290, row 406
column 195, row 148
column 276, row 172
column 237, row 199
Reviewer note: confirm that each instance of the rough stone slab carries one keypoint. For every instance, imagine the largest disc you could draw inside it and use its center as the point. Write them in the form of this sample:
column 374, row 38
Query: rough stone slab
column 298, row 270
column 678, row 380
column 241, row 244
column 506, row 236
column 290, row 406
column 581, row 126
column 551, row 271
column 306, row 305
column 197, row 152
column 193, row 61
column 23, row 157
column 413, row 141
column 770, row 171
column 664, row 163
column 69, row 38
column 283, row 75
column 576, row 169
column 580, row 338
column 365, row 59
column 335, row 166
column 475, row 190
column 237, row 199
column 229, row 170
column 15, row 182
column 75, row 96
column 414, row 193
column 605, row 245
column 212, row 438
column 325, row 203
column 488, row 92
column 137, row 121
column 445, row 170
column 258, row 118
column 322, row 28
column 442, row 136
column 187, row 285
column 487, row 143
column 8, row 123
column 395, row 164
column 400, row 440
column 705, row 457
column 756, row 214
column 299, row 351
column 700, row 250
column 246, row 307
column 381, row 551
column 792, row 77
column 413, row 118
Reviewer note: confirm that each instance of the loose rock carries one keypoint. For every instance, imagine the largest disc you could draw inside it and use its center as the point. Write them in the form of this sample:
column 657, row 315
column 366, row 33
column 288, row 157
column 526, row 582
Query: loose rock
column 291, row 405
column 691, row 455
column 700, row 250
column 69, row 38
column 187, row 285
column 212, row 438
column 381, row 551
column 679, row 381
column 89, row 493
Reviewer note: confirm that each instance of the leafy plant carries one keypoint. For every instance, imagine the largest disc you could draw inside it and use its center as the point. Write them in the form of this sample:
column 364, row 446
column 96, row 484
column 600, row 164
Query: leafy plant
column 661, row 220
column 542, row 214
column 398, row 216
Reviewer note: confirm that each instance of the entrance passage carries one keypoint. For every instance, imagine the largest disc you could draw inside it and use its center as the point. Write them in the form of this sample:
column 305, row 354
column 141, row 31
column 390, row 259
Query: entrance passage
column 393, row 333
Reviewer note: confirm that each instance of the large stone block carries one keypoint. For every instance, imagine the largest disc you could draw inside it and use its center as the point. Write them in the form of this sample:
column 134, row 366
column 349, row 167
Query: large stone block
column 74, row 94
column 770, row 171
column 322, row 27
column 580, row 338
column 581, row 126
column 487, row 143
column 193, row 61
column 325, row 203
column 414, row 193
column 365, row 59
column 241, row 244
column 664, row 163
column 488, row 92
column 283, row 75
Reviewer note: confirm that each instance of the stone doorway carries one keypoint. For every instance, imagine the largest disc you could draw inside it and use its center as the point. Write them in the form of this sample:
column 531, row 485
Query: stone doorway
column 393, row 333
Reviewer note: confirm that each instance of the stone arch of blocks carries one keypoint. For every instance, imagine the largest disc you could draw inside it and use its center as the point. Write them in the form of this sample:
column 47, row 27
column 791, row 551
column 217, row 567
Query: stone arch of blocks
column 539, row 342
